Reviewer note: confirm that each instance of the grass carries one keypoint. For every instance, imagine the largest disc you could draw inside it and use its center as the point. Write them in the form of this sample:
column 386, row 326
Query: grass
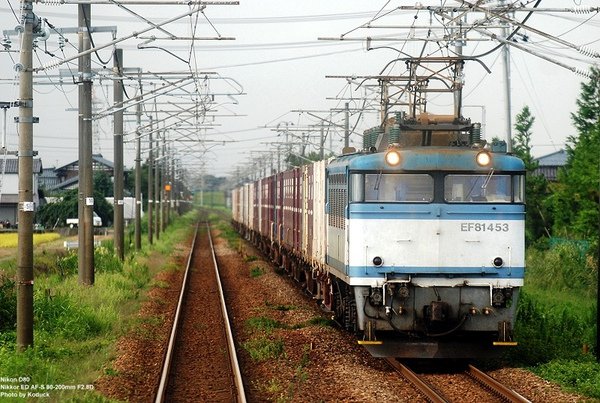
column 263, row 348
column 582, row 376
column 256, row 271
column 264, row 324
column 76, row 327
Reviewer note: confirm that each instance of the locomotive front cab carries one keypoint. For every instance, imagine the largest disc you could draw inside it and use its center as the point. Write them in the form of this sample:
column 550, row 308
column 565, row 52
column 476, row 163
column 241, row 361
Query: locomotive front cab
column 435, row 243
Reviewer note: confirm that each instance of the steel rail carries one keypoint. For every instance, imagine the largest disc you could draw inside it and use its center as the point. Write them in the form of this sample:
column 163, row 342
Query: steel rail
column 495, row 386
column 430, row 394
column 235, row 367
column 162, row 386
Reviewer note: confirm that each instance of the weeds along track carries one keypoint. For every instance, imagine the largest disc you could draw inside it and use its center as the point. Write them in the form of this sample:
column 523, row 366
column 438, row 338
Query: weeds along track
column 471, row 385
column 201, row 363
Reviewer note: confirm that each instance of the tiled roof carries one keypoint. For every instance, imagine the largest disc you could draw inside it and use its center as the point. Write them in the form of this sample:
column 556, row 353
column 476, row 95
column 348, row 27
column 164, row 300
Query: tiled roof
column 556, row 159
column 12, row 165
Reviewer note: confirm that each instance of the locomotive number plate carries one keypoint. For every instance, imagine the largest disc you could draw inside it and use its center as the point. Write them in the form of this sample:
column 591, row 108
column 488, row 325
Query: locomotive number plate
column 483, row 227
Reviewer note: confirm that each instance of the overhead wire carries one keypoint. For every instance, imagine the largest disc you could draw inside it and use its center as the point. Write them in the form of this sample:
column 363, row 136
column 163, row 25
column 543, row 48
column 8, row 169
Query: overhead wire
column 534, row 98
column 89, row 31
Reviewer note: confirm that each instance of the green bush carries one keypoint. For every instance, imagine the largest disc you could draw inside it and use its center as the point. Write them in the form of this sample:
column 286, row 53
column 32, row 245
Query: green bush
column 567, row 266
column 8, row 305
column 67, row 265
column 549, row 327
column 105, row 261
column 62, row 316
column 556, row 315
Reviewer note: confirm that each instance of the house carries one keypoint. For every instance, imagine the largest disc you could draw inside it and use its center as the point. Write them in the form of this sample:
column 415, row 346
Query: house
column 67, row 176
column 48, row 178
column 548, row 165
column 9, row 187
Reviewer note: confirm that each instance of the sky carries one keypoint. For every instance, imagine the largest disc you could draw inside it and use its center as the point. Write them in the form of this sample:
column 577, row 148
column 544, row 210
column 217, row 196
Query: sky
column 273, row 75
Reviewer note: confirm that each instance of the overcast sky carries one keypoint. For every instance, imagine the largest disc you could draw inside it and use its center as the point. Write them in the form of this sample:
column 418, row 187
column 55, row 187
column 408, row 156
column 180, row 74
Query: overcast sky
column 280, row 66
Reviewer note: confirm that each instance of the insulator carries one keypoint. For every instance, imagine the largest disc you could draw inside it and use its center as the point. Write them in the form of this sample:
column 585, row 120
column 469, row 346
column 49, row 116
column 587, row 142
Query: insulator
column 475, row 134
column 588, row 52
column 367, row 139
column 581, row 72
column 395, row 131
column 51, row 65
column 394, row 134
column 582, row 10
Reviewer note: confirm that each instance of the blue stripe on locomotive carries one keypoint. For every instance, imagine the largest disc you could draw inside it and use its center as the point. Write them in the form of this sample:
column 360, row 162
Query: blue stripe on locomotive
column 426, row 159
column 445, row 271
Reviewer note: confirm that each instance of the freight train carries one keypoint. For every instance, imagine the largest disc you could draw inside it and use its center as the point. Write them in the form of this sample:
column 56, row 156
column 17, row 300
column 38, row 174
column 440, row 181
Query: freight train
column 416, row 243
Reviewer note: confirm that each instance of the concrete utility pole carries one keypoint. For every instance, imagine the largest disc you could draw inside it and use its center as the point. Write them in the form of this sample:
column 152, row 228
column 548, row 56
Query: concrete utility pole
column 138, row 176
column 171, row 185
column 150, row 185
column 26, row 206
column 118, row 204
column 163, row 179
column 86, row 187
column 322, row 142
column 157, row 201
column 458, row 86
column 346, row 125
column 506, row 65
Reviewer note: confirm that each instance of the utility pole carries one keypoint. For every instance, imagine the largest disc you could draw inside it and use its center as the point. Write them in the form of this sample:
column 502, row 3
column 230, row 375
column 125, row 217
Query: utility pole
column 507, row 95
column 458, row 85
column 150, row 183
column 118, row 171
column 321, row 142
column 138, row 175
column 86, row 188
column 157, row 205
column 346, row 125
column 171, row 185
column 26, row 206
column 163, row 180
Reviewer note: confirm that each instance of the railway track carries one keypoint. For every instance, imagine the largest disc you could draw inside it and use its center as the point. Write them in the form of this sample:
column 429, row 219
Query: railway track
column 201, row 363
column 476, row 384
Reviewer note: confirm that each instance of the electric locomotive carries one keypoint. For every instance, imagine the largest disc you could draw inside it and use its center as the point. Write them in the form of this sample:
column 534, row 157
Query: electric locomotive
column 426, row 241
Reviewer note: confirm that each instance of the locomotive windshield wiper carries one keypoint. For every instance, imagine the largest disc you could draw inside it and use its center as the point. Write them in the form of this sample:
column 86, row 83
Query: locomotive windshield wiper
column 378, row 180
column 487, row 179
column 484, row 185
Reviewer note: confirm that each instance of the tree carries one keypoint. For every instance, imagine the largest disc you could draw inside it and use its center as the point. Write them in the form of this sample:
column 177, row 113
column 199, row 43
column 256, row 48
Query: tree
column 575, row 202
column 103, row 184
column 522, row 139
column 536, row 186
column 55, row 214
column 588, row 106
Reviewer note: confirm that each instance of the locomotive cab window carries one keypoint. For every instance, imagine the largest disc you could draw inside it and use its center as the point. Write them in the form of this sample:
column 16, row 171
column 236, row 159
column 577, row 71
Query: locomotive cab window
column 380, row 187
column 488, row 188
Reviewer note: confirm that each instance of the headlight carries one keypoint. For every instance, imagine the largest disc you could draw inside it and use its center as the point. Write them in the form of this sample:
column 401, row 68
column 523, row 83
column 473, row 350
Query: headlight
column 483, row 159
column 392, row 157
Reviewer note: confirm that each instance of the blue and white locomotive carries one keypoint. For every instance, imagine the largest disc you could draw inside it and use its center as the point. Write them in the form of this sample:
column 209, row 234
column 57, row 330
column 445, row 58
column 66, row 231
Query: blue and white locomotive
column 425, row 250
